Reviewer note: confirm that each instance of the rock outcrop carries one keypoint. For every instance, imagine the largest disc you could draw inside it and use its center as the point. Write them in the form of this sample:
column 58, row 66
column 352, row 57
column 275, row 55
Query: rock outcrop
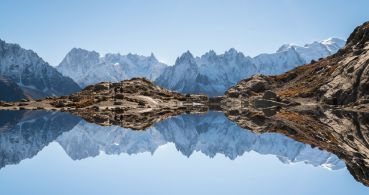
column 135, row 103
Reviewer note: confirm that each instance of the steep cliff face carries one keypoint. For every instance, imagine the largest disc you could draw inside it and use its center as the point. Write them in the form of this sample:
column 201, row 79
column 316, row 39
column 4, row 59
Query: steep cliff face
column 349, row 79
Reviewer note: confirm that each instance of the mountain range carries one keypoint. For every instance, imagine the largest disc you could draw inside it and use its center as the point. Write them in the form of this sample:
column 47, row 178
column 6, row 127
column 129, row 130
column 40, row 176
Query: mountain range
column 35, row 77
column 213, row 74
column 210, row 74
column 29, row 76
column 87, row 67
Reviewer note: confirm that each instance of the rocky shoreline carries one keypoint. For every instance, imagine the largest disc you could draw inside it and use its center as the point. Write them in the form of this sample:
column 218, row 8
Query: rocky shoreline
column 136, row 100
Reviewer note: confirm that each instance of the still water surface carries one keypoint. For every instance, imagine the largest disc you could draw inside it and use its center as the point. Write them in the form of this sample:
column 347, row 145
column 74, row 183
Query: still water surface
column 57, row 153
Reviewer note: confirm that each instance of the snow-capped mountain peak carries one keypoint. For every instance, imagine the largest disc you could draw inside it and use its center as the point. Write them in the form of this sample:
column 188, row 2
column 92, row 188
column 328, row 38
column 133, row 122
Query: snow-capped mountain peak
column 333, row 44
column 334, row 40
column 315, row 50
column 286, row 47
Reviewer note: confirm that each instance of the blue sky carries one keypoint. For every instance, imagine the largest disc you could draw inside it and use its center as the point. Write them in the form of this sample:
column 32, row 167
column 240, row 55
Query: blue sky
column 169, row 172
column 169, row 27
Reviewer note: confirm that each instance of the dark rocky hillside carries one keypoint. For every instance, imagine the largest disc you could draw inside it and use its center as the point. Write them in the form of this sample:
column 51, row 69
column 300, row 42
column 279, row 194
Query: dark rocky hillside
column 10, row 91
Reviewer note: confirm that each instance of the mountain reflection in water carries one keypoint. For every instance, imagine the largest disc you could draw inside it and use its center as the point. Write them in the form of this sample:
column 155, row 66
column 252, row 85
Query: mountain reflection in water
column 211, row 133
column 24, row 133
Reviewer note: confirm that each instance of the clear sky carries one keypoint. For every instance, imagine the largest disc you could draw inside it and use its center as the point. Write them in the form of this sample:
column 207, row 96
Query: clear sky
column 169, row 27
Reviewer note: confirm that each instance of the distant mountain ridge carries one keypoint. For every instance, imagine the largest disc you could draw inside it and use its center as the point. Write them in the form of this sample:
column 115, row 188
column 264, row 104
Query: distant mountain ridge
column 88, row 67
column 210, row 74
column 31, row 73
column 213, row 74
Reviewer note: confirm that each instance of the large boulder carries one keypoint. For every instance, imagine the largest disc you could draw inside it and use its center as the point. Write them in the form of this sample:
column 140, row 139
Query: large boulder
column 251, row 86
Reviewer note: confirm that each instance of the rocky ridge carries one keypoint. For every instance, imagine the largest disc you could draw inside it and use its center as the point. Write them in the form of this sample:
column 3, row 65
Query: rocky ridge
column 135, row 103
